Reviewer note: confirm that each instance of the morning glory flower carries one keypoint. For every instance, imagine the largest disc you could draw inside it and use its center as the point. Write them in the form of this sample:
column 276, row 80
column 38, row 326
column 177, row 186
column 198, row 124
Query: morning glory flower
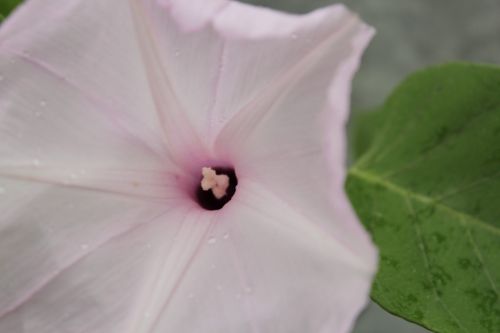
column 178, row 166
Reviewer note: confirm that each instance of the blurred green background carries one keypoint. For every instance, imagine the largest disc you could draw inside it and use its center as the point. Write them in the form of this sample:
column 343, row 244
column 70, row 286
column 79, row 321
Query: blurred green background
column 412, row 34
column 6, row 6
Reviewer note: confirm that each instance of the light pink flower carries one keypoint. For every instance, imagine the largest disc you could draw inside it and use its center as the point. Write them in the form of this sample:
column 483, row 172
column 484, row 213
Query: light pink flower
column 110, row 110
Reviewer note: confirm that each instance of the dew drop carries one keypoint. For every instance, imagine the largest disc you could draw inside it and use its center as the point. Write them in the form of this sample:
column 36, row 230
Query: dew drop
column 43, row 103
column 212, row 241
column 225, row 236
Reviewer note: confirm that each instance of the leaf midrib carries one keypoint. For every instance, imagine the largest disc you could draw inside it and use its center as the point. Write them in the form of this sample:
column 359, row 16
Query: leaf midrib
column 373, row 178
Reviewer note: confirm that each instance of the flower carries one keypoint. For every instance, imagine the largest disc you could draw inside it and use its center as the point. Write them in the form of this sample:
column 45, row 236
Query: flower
column 123, row 124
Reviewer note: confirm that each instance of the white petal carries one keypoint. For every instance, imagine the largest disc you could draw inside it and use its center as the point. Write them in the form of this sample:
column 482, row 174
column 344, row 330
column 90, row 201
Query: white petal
column 104, row 290
column 183, row 68
column 290, row 134
column 91, row 47
column 222, row 55
column 75, row 107
column 266, row 268
column 44, row 231
column 50, row 133
column 185, row 143
column 193, row 14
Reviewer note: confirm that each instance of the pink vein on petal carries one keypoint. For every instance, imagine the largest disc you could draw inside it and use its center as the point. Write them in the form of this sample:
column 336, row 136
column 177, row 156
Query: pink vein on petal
column 114, row 116
column 161, row 88
column 81, row 187
column 41, row 286
column 276, row 88
column 314, row 224
column 185, row 270
column 216, row 93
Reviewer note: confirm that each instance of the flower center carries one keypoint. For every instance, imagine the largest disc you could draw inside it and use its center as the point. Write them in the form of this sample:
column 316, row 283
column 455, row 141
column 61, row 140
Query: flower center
column 216, row 188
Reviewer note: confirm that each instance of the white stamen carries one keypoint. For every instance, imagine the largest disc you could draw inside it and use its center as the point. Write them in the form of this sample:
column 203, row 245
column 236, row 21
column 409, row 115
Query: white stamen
column 212, row 181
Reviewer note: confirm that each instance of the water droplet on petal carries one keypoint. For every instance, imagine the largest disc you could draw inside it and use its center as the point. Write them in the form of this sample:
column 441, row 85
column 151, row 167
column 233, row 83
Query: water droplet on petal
column 225, row 236
column 84, row 247
column 212, row 241
column 43, row 103
column 36, row 162
column 2, row 190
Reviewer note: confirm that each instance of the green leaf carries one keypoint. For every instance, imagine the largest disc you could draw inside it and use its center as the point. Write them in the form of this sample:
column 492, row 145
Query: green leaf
column 6, row 6
column 428, row 190
column 362, row 128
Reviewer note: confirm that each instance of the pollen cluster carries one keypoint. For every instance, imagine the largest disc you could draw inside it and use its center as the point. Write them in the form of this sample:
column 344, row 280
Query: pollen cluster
column 216, row 187
column 212, row 181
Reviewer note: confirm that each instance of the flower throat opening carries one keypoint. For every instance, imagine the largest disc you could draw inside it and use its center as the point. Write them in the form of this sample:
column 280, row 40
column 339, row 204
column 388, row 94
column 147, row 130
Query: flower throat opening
column 216, row 187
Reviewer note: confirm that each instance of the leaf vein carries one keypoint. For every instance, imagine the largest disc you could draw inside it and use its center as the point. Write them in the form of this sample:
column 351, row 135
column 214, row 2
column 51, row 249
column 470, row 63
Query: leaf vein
column 370, row 177
column 427, row 264
column 479, row 257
